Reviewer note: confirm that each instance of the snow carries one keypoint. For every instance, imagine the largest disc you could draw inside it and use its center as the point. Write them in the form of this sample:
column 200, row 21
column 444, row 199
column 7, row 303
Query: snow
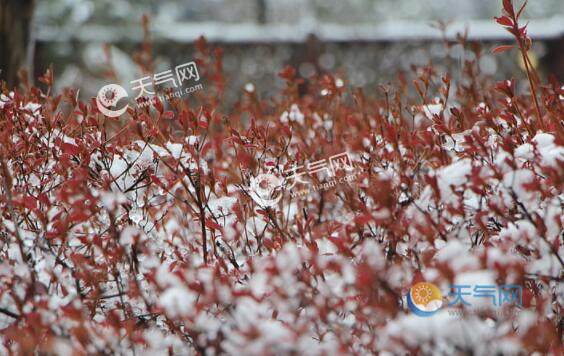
column 111, row 200
column 441, row 328
column 295, row 115
column 177, row 301
column 515, row 181
column 474, row 279
column 453, row 176
column 128, row 234
column 327, row 286
column 519, row 229
column 6, row 99
column 552, row 154
column 457, row 255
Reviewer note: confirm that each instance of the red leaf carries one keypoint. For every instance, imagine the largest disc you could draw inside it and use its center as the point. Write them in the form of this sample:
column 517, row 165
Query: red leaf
column 44, row 199
column 158, row 104
column 30, row 202
column 156, row 180
column 78, row 215
column 183, row 117
column 70, row 148
column 504, row 20
column 501, row 49
column 212, row 225
column 203, row 124
column 417, row 277
column 523, row 31
column 521, row 9
column 287, row 73
column 312, row 246
column 206, row 148
column 508, row 7
column 169, row 115
column 362, row 219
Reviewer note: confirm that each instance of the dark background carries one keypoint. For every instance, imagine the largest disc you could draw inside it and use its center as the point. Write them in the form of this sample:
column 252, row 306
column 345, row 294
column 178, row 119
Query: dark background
column 366, row 41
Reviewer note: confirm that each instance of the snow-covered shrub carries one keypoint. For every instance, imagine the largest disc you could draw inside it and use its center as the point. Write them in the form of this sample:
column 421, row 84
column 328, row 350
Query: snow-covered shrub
column 139, row 235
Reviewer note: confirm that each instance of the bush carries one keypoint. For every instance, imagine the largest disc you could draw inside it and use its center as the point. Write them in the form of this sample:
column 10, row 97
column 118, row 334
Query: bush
column 141, row 234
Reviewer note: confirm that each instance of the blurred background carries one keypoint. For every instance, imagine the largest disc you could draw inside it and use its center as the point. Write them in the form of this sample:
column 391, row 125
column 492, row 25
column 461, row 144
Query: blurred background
column 365, row 41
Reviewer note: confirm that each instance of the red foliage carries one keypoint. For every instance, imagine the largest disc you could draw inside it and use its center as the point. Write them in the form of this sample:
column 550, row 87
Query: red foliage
column 141, row 234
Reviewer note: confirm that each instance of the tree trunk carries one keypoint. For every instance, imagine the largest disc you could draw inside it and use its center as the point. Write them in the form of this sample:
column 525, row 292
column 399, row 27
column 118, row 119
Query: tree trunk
column 554, row 58
column 261, row 11
column 15, row 30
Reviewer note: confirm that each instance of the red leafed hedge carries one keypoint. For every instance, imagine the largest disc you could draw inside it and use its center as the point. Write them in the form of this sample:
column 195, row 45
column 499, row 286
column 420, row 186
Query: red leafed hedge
column 140, row 235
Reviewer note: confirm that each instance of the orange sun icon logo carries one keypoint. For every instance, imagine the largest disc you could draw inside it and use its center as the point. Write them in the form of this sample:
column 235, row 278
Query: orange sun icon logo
column 424, row 299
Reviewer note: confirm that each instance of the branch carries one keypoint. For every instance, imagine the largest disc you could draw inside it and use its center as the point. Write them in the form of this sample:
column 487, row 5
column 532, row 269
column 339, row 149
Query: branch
column 9, row 313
